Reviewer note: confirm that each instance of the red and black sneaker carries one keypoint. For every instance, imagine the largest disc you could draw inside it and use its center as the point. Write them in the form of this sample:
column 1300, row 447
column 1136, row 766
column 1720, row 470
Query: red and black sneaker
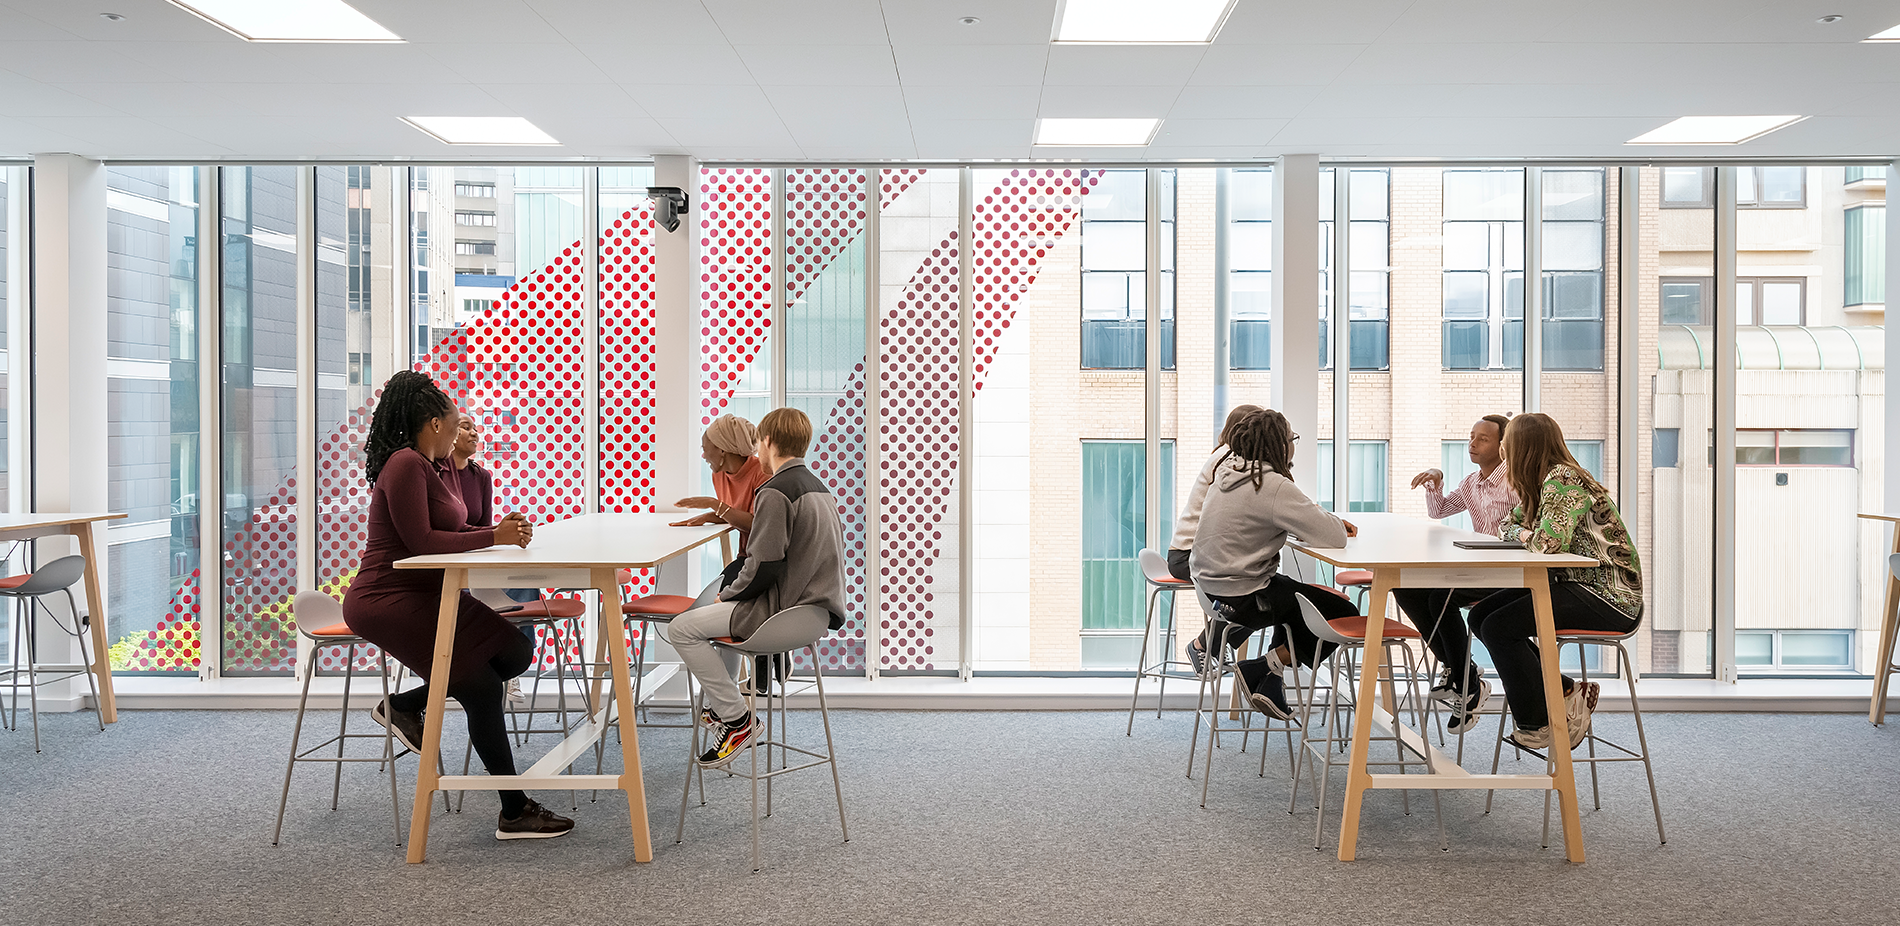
column 727, row 739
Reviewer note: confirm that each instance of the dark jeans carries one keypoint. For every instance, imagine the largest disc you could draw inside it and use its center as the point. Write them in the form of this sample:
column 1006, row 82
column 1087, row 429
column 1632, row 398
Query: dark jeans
column 1274, row 606
column 1435, row 612
column 1508, row 627
column 483, row 694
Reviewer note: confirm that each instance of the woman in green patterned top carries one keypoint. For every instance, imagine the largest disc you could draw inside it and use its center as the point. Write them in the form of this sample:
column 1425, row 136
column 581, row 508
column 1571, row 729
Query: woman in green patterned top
column 1564, row 510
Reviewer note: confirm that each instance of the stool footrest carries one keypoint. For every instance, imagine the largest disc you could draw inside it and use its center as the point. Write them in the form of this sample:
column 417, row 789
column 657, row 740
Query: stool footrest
column 527, row 782
column 1461, row 782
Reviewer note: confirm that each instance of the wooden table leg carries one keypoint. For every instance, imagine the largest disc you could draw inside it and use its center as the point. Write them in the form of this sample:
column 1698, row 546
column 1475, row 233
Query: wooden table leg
column 725, row 548
column 96, row 615
column 427, row 777
column 1565, row 780
column 1889, row 628
column 631, row 779
column 1358, row 778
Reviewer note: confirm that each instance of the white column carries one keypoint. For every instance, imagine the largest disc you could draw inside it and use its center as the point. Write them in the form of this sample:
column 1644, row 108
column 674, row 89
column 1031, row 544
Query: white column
column 69, row 365
column 1890, row 495
column 676, row 438
column 1533, row 289
column 1722, row 356
column 1295, row 283
column 19, row 344
column 1629, row 381
column 1341, row 333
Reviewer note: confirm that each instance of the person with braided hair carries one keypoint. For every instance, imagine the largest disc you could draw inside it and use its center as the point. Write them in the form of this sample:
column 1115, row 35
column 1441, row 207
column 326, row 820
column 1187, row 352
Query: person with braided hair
column 415, row 511
column 1251, row 507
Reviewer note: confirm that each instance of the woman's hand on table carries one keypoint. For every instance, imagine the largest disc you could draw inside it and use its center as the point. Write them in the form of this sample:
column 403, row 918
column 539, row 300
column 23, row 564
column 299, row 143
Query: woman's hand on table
column 698, row 520
column 697, row 501
column 514, row 529
column 1352, row 530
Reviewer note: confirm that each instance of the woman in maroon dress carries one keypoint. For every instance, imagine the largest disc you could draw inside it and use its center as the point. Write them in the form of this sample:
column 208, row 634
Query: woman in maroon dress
column 413, row 512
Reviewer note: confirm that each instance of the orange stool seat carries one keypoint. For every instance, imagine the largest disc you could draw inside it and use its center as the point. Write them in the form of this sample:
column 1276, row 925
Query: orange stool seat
column 1355, row 628
column 1353, row 577
column 657, row 606
column 334, row 630
column 547, row 608
column 15, row 581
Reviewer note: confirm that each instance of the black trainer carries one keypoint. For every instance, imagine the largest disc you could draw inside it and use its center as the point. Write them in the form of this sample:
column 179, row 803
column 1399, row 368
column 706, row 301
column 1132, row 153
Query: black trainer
column 406, row 725
column 1267, row 694
column 727, row 739
column 1464, row 715
column 534, row 822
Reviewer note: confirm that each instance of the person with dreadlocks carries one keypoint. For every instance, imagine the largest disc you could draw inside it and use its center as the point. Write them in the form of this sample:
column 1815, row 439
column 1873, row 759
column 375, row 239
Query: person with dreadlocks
column 1182, row 544
column 414, row 511
column 1251, row 508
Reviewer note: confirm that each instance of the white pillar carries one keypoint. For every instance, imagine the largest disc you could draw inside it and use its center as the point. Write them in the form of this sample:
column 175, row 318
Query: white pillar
column 676, row 386
column 69, row 368
column 1295, row 344
column 1722, row 355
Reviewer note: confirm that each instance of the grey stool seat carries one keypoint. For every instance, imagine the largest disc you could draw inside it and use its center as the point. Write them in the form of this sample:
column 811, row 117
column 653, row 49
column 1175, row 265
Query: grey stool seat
column 1324, row 748
column 1161, row 664
column 320, row 620
column 57, row 576
column 788, row 631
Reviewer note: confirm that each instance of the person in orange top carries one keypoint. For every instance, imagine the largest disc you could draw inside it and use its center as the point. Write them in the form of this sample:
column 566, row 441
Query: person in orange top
column 727, row 447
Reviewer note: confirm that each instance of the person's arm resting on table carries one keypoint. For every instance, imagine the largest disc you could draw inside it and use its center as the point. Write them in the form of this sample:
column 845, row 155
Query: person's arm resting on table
column 1304, row 518
column 1560, row 506
column 405, row 482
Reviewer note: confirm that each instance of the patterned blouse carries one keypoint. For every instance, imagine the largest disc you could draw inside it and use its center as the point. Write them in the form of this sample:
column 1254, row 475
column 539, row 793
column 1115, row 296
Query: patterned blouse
column 1574, row 518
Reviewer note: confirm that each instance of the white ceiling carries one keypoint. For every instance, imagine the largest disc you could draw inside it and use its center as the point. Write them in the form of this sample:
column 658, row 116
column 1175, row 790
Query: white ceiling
column 900, row 79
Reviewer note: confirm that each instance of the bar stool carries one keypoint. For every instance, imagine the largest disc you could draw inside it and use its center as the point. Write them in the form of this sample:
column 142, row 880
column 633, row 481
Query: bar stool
column 1154, row 570
column 26, row 591
column 788, row 631
column 1581, row 639
column 322, row 612
column 553, row 614
column 1221, row 662
column 1335, row 737
column 1355, row 582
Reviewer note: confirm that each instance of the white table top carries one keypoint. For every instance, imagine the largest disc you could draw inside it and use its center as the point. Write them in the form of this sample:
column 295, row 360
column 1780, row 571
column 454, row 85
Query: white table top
column 20, row 519
column 1396, row 540
column 591, row 541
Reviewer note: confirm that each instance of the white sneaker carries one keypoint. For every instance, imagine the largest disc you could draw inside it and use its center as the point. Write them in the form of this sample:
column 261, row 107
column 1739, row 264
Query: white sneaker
column 515, row 694
column 1577, row 710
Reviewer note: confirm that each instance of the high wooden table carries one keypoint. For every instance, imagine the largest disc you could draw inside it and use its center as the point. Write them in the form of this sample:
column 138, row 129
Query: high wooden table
column 1406, row 552
column 583, row 552
column 29, row 526
column 1889, row 629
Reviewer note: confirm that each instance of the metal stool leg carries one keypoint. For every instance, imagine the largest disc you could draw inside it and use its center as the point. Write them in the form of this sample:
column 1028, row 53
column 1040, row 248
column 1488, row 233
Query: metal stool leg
column 831, row 749
column 296, row 735
column 85, row 662
column 1141, row 661
column 1642, row 741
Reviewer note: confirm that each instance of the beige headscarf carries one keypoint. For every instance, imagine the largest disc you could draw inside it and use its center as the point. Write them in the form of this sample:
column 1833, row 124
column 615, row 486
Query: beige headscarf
column 733, row 434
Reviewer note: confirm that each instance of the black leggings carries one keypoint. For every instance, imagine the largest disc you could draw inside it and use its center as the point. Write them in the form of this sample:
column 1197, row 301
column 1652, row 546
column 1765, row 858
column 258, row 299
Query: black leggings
column 483, row 693
column 1274, row 606
column 1507, row 625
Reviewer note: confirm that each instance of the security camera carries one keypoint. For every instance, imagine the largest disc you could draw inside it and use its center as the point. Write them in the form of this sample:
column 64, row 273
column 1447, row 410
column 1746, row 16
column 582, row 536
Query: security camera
column 669, row 203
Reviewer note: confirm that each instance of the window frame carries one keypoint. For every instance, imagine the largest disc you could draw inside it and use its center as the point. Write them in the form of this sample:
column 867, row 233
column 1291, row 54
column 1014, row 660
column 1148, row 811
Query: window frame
column 1708, row 192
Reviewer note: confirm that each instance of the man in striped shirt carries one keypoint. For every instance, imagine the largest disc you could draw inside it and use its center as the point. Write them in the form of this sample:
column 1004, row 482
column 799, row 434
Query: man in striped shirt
column 1486, row 495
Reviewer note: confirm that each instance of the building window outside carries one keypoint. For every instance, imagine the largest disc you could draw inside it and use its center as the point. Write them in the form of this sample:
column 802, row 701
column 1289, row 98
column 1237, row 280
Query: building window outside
column 1114, row 530
column 1758, row 300
column 472, row 307
column 1665, row 447
column 1864, row 257
column 1572, row 263
column 1484, row 270
column 1795, row 650
column 475, row 249
column 1791, row 447
column 476, row 190
column 1368, row 290
column 1114, row 271
column 1249, row 243
column 482, row 219
column 1368, row 468
column 1755, row 188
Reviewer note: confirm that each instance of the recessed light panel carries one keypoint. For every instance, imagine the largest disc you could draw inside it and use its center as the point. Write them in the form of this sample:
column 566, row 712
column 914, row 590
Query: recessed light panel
column 1891, row 35
column 1714, row 130
column 481, row 130
column 289, row 20
column 1140, row 22
column 1095, row 133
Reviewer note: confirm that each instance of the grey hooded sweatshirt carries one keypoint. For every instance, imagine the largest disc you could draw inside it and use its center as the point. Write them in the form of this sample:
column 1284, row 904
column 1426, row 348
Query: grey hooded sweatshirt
column 1237, row 544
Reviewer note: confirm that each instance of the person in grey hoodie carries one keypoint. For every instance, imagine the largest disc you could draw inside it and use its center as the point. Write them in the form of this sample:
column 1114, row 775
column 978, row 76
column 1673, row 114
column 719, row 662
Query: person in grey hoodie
column 1251, row 507
column 1182, row 543
column 795, row 556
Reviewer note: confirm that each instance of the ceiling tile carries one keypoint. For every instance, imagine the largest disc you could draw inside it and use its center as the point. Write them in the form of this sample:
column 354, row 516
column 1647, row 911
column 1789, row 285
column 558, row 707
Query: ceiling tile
column 820, row 65
column 962, row 102
column 460, row 21
column 1129, row 102
column 1122, row 65
column 513, row 63
column 806, row 22
column 972, row 65
column 704, row 102
column 640, row 66
column 640, row 28
column 1273, row 65
column 1233, row 132
column 716, row 133
column 1000, row 22
column 1242, row 102
column 1282, row 23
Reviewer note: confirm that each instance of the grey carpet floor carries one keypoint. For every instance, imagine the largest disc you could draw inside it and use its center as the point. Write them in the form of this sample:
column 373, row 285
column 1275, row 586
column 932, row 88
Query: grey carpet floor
column 955, row 818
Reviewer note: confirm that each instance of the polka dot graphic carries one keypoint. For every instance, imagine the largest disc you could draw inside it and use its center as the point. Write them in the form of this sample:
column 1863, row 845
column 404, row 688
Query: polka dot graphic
column 1012, row 229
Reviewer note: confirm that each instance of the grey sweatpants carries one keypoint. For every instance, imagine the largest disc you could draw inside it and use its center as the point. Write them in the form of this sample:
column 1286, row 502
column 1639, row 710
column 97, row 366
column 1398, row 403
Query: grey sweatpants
column 691, row 635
